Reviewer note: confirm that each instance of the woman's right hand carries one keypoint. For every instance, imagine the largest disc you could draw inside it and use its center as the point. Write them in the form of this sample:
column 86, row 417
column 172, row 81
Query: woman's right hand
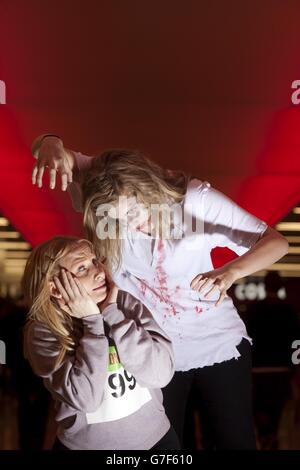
column 74, row 298
column 52, row 154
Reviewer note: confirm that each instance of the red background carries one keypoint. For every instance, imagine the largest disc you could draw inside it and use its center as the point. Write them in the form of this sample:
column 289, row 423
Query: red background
column 201, row 86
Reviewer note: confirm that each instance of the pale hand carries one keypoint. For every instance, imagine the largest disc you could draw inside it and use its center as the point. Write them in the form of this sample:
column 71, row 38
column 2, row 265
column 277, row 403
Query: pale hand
column 75, row 299
column 54, row 156
column 220, row 279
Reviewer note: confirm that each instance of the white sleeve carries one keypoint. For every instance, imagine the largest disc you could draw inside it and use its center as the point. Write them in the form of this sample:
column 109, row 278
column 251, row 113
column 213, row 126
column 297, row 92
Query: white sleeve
column 226, row 224
column 83, row 162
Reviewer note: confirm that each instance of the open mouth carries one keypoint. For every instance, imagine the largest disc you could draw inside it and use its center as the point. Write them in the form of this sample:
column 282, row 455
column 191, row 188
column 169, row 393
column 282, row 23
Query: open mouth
column 103, row 284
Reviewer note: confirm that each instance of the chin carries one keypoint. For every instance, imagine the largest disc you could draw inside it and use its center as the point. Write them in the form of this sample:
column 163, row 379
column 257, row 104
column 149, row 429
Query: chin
column 100, row 298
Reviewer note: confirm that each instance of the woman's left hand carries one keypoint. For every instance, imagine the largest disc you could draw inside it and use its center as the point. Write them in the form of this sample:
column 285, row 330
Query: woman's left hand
column 219, row 279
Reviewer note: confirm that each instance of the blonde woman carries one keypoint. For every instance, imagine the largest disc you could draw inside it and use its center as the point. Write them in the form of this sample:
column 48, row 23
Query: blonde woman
column 99, row 351
column 173, row 275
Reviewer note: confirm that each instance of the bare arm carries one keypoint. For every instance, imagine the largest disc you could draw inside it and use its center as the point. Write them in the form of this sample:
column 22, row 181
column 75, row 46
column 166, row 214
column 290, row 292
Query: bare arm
column 268, row 249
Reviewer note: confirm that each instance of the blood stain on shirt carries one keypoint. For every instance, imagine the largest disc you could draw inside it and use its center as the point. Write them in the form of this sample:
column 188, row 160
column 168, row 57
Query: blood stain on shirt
column 159, row 287
column 198, row 309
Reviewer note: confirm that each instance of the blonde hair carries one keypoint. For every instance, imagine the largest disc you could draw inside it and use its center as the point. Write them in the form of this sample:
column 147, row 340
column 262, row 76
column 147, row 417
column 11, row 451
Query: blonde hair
column 119, row 172
column 41, row 266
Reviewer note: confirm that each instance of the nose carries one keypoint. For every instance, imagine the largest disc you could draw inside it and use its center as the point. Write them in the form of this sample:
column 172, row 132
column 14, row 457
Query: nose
column 99, row 271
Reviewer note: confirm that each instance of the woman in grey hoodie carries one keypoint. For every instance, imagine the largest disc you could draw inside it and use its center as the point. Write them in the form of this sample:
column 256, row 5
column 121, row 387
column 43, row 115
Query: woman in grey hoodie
column 100, row 352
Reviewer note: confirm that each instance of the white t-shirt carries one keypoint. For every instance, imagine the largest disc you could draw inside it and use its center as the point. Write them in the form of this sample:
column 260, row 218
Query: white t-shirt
column 159, row 272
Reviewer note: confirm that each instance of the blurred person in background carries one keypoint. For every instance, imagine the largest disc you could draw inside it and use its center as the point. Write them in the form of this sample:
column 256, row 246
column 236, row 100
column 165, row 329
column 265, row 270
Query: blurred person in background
column 20, row 384
column 273, row 325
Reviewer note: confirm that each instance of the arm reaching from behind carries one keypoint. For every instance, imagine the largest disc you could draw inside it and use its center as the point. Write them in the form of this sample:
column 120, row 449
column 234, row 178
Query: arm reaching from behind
column 50, row 153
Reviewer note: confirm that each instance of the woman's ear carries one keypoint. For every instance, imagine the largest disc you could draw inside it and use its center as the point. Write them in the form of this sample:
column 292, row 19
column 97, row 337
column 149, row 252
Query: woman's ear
column 54, row 291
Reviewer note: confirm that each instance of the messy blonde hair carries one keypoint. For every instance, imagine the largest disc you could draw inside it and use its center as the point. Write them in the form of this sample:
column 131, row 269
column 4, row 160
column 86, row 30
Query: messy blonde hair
column 42, row 265
column 118, row 172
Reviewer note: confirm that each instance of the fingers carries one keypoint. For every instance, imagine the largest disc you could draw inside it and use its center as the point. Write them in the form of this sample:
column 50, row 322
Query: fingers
column 34, row 173
column 61, row 289
column 39, row 178
column 70, row 176
column 195, row 281
column 204, row 284
column 69, row 171
column 70, row 285
column 59, row 164
column 66, row 173
column 201, row 282
column 80, row 287
column 52, row 178
column 38, row 173
column 64, row 181
column 221, row 298
column 212, row 290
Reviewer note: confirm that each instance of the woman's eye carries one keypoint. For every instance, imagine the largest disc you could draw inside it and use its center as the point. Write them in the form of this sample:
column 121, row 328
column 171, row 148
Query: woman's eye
column 81, row 268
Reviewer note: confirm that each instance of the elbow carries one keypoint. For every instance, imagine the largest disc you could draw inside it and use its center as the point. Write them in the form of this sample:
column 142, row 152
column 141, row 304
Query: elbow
column 161, row 377
column 286, row 247
column 166, row 373
column 283, row 245
column 157, row 380
column 166, row 378
column 164, row 381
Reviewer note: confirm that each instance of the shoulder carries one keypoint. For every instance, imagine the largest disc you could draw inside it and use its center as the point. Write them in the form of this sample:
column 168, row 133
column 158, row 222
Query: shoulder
column 35, row 329
column 196, row 188
column 203, row 192
column 39, row 337
column 41, row 347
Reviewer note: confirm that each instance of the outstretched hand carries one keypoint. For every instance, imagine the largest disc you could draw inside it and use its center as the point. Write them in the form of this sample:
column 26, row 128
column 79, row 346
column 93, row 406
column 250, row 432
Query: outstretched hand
column 53, row 155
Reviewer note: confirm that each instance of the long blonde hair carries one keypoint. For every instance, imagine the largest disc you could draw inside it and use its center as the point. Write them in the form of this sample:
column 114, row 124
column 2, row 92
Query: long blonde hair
column 118, row 172
column 42, row 265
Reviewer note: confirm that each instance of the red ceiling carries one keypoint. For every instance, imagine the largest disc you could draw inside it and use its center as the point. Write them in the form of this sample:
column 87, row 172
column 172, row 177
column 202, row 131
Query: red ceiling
column 202, row 86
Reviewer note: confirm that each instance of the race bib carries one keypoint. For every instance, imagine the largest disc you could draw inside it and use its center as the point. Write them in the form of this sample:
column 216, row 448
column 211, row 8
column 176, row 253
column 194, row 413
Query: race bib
column 122, row 394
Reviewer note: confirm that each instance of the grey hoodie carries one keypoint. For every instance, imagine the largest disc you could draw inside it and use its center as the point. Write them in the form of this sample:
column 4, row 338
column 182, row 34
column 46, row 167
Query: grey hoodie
column 107, row 392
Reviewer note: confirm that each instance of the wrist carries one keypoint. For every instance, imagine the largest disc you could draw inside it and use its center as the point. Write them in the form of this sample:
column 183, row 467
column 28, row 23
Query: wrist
column 93, row 324
column 234, row 272
column 95, row 311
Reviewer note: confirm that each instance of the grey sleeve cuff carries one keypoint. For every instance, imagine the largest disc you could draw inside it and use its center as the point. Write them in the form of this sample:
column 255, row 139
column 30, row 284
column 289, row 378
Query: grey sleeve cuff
column 93, row 324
